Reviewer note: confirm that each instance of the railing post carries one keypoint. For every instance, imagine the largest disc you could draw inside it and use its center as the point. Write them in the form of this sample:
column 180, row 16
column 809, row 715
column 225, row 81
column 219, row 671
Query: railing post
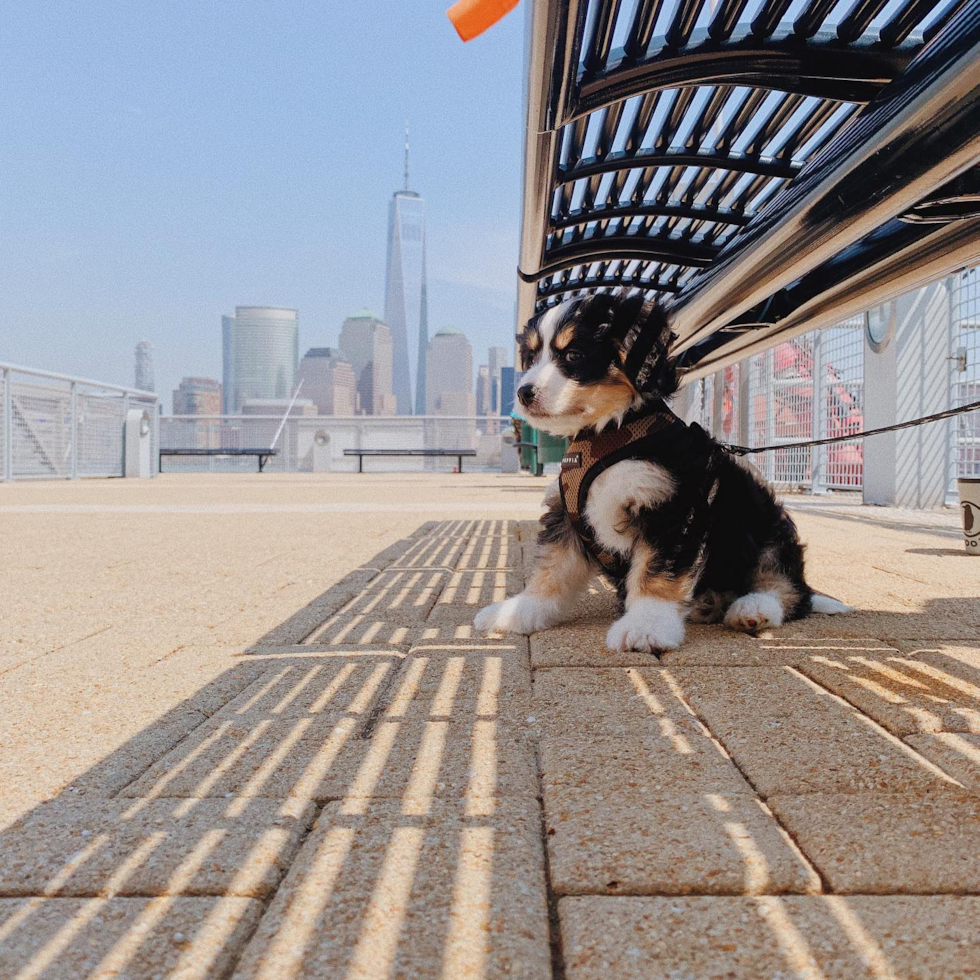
column 74, row 431
column 818, row 478
column 125, row 415
column 718, row 405
column 155, row 463
column 8, row 425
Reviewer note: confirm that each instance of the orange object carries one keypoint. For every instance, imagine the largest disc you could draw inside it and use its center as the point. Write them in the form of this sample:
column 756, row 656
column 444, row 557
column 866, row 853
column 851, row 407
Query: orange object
column 472, row 17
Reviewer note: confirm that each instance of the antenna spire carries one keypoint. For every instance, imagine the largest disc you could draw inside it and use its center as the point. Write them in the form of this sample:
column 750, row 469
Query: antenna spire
column 406, row 155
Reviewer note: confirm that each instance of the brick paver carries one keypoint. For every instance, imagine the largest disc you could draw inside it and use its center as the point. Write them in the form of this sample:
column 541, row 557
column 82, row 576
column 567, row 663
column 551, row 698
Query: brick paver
column 374, row 790
column 788, row 938
column 788, row 735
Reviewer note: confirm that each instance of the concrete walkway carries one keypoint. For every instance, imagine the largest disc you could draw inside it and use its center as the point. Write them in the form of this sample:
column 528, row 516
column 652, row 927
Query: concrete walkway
column 250, row 733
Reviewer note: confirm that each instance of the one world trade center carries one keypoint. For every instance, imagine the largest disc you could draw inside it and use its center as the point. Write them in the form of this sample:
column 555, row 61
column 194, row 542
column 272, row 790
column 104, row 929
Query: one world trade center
column 405, row 299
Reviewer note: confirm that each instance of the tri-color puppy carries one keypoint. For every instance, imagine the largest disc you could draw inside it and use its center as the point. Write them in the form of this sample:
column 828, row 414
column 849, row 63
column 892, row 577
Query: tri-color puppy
column 683, row 530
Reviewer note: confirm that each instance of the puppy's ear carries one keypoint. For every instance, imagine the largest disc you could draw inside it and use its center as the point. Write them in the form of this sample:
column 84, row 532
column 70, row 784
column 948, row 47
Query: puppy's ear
column 646, row 348
column 660, row 368
column 610, row 315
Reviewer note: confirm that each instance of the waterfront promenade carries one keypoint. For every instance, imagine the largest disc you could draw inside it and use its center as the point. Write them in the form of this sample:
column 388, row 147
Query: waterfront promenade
column 248, row 732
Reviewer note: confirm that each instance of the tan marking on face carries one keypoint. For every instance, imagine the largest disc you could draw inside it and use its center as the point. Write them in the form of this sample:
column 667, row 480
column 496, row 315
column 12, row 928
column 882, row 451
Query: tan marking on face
column 532, row 340
column 613, row 395
column 564, row 337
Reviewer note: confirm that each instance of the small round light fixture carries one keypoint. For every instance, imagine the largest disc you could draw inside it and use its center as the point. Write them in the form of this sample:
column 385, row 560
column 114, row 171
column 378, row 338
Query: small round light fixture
column 879, row 324
column 321, row 438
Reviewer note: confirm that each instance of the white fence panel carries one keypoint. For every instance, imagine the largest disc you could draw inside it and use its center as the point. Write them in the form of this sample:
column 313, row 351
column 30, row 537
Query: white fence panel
column 55, row 426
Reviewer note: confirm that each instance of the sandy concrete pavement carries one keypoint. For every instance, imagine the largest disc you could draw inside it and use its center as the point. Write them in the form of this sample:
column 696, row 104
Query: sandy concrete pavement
column 249, row 732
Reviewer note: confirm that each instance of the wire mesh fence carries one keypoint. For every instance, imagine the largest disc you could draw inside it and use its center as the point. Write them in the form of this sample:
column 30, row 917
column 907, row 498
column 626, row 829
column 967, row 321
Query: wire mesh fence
column 317, row 443
column 59, row 427
column 811, row 387
column 964, row 364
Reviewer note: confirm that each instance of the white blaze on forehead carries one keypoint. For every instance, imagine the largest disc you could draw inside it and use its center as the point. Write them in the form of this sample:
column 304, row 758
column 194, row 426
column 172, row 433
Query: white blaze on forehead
column 546, row 326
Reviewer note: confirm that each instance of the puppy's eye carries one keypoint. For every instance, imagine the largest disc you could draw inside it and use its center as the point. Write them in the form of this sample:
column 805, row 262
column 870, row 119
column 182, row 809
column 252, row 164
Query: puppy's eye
column 574, row 357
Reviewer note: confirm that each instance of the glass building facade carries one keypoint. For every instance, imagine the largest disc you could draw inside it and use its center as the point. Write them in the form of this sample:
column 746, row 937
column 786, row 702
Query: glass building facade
column 260, row 352
column 405, row 299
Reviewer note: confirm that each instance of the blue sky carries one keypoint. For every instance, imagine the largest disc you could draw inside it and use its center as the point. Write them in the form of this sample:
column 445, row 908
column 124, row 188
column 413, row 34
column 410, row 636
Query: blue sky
column 162, row 162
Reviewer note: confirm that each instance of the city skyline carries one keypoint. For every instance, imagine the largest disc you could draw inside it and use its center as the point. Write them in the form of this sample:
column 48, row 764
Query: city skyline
column 149, row 194
column 353, row 376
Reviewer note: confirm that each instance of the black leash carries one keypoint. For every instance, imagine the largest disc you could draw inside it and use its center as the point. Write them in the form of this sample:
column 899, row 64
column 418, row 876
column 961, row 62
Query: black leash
column 949, row 413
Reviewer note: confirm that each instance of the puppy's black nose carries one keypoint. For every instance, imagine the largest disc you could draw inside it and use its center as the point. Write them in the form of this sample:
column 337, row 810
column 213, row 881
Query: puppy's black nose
column 526, row 394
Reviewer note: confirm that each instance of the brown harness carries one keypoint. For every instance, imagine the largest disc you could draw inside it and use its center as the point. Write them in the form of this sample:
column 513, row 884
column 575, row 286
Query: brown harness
column 590, row 453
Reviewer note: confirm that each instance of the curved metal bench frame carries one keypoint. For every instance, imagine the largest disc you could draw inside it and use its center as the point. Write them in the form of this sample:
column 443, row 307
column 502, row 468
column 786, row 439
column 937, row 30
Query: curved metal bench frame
column 765, row 177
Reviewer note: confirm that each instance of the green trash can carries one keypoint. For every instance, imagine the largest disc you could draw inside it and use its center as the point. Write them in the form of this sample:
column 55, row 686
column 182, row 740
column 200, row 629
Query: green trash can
column 539, row 448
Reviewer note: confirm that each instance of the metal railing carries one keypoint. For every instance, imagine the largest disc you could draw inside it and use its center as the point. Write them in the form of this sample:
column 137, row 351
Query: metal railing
column 316, row 443
column 55, row 426
column 811, row 387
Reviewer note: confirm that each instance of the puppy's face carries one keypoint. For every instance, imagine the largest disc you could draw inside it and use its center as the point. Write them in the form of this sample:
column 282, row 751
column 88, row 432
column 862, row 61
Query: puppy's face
column 573, row 360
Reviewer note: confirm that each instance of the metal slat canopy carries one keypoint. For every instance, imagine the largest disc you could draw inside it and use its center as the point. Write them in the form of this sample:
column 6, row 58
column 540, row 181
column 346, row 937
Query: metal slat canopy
column 763, row 168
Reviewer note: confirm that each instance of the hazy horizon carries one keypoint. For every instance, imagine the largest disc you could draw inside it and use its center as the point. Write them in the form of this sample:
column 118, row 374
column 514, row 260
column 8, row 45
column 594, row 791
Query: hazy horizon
column 166, row 164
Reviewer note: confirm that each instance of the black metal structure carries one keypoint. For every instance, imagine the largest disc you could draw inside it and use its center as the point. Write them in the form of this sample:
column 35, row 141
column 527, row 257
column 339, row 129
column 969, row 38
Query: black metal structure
column 767, row 166
column 262, row 455
column 361, row 453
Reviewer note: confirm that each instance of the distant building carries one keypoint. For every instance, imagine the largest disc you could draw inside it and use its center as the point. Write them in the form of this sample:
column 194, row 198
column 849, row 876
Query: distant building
column 276, row 407
column 508, row 389
column 197, row 396
column 144, row 367
column 484, row 391
column 406, row 307
column 328, row 381
column 497, row 360
column 449, row 373
column 260, row 350
column 227, row 342
column 365, row 342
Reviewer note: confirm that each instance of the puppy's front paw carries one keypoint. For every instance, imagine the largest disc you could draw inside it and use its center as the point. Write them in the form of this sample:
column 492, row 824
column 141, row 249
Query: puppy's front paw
column 649, row 625
column 755, row 611
column 520, row 614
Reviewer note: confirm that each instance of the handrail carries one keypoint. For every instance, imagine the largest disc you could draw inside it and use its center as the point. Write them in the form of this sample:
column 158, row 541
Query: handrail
column 72, row 379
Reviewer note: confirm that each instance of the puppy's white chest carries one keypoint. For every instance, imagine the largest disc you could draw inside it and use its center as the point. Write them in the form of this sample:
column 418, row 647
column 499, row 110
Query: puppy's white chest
column 617, row 494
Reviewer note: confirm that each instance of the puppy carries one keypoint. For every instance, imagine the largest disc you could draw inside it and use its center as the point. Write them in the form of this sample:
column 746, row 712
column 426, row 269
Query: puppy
column 683, row 530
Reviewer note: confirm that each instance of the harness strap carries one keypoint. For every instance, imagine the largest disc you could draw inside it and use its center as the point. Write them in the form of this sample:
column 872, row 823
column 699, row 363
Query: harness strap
column 590, row 454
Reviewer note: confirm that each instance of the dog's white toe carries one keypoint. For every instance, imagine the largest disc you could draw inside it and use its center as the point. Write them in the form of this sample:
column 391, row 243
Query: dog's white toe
column 519, row 614
column 755, row 611
column 649, row 625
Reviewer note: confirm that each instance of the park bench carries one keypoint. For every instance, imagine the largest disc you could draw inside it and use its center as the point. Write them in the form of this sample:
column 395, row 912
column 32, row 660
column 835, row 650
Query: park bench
column 361, row 453
column 262, row 454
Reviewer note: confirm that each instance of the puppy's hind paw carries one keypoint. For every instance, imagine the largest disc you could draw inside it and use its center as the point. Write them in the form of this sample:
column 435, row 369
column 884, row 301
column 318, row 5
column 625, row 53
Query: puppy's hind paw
column 649, row 626
column 755, row 611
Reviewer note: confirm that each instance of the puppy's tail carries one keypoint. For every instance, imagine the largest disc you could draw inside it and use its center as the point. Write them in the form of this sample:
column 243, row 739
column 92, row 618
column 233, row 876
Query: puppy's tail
column 828, row 605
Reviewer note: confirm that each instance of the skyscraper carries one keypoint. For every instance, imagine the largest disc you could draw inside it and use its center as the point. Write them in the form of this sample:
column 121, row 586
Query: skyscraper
column 450, row 375
column 328, row 381
column 406, row 304
column 497, row 361
column 365, row 342
column 260, row 348
column 144, row 367
column 508, row 386
column 484, row 392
